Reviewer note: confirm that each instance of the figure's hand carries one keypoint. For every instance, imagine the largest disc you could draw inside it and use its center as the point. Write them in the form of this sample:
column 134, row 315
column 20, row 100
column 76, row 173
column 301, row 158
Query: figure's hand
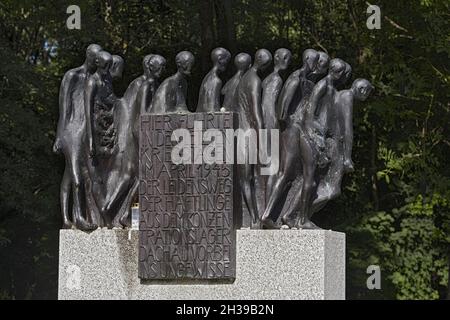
column 57, row 146
column 348, row 166
column 91, row 149
column 319, row 128
column 282, row 124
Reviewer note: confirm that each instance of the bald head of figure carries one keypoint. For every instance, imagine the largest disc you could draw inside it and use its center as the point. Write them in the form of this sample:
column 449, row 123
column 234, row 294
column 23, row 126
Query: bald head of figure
column 336, row 69
column 117, row 67
column 91, row 55
column 310, row 58
column 263, row 58
column 322, row 64
column 156, row 65
column 347, row 73
column 103, row 62
column 282, row 58
column 362, row 88
column 145, row 62
column 242, row 61
column 220, row 58
column 185, row 61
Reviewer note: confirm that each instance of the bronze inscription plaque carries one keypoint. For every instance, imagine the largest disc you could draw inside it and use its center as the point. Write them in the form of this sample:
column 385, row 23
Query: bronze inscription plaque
column 187, row 227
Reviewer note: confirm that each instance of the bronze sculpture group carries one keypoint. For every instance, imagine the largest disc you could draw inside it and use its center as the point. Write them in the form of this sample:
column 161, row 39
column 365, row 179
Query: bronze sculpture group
column 98, row 132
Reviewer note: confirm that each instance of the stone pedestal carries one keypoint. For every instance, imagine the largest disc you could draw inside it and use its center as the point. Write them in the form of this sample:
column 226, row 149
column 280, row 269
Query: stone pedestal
column 270, row 264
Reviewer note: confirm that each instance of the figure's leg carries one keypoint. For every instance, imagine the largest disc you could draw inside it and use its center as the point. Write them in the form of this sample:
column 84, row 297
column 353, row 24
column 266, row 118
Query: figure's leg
column 290, row 217
column 309, row 186
column 65, row 196
column 319, row 204
column 281, row 186
column 93, row 213
column 334, row 189
column 282, row 182
column 271, row 180
column 122, row 218
column 282, row 155
column 322, row 195
column 120, row 190
column 247, row 182
column 78, row 190
column 332, row 180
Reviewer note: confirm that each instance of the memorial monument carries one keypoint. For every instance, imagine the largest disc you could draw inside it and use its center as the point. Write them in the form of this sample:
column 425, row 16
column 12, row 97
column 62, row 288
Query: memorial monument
column 193, row 175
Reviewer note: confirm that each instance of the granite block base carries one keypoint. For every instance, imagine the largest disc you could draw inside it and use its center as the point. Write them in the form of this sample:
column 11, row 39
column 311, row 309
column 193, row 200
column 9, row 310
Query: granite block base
column 270, row 264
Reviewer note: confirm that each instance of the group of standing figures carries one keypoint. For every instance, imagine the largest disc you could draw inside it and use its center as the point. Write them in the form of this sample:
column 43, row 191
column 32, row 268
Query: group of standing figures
column 98, row 132
column 98, row 135
column 313, row 113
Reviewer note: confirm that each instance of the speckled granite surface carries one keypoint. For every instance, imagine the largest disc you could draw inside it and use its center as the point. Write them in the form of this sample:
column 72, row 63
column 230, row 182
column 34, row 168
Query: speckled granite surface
column 271, row 264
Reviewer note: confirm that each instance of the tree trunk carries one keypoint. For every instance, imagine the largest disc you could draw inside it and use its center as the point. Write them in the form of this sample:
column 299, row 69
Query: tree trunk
column 207, row 34
column 373, row 157
column 448, row 281
column 225, row 25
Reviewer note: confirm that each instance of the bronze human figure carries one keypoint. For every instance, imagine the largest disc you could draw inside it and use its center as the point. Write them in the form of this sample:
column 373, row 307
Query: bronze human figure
column 297, row 128
column 98, row 100
column 71, row 141
column 329, row 185
column 209, row 94
column 319, row 127
column 132, row 90
column 290, row 95
column 294, row 139
column 130, row 96
column 154, row 67
column 242, row 62
column 123, row 175
column 345, row 78
column 171, row 94
column 360, row 90
column 340, row 142
column 248, row 102
column 321, row 68
column 117, row 67
column 271, row 88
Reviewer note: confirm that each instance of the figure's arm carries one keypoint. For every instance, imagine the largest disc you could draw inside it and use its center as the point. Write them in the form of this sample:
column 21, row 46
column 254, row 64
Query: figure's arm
column 318, row 92
column 64, row 95
column 89, row 100
column 256, row 105
column 228, row 91
column 185, row 93
column 278, row 87
column 64, row 107
column 176, row 95
column 225, row 87
column 346, row 118
column 153, row 102
column 217, row 89
column 313, row 111
column 286, row 96
column 153, row 89
column 143, row 98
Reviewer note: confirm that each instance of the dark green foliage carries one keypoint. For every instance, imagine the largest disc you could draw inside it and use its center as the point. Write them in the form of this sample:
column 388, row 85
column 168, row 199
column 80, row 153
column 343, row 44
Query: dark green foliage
column 394, row 207
column 29, row 179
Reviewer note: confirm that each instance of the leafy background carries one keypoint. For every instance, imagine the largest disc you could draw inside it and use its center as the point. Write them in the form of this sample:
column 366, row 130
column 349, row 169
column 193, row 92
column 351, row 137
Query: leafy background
column 395, row 206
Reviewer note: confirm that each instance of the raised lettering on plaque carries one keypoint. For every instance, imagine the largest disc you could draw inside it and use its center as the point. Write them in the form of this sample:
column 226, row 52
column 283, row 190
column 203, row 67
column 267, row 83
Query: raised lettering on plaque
column 187, row 227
